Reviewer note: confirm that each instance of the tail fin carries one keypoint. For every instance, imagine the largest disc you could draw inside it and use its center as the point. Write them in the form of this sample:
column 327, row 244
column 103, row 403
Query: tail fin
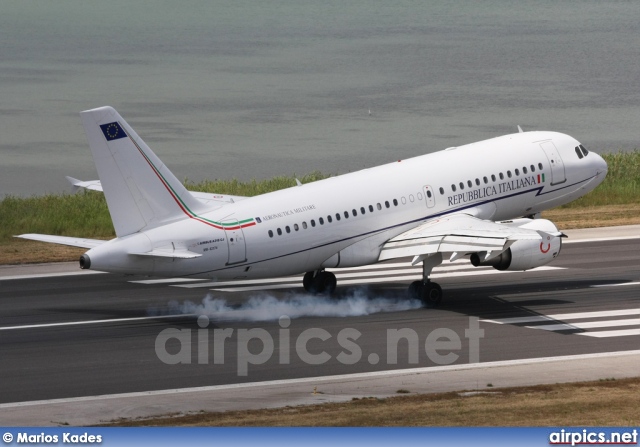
column 140, row 190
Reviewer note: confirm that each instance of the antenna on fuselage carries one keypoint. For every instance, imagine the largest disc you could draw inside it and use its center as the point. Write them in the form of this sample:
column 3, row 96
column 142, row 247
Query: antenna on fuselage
column 520, row 129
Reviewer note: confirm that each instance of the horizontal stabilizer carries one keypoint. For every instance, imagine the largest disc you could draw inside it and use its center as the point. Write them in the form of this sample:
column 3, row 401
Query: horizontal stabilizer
column 63, row 240
column 204, row 197
column 93, row 185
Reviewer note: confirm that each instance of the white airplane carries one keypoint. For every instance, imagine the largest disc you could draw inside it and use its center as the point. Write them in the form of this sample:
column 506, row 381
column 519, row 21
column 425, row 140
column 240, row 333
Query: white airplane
column 480, row 200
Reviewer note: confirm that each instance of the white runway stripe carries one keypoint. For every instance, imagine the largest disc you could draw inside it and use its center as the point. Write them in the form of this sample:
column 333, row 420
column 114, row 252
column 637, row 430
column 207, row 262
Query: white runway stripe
column 570, row 316
column 588, row 325
column 82, row 323
column 605, row 334
column 557, row 322
column 617, row 285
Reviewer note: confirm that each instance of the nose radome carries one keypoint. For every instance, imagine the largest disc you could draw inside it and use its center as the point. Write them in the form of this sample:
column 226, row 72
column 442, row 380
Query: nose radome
column 601, row 165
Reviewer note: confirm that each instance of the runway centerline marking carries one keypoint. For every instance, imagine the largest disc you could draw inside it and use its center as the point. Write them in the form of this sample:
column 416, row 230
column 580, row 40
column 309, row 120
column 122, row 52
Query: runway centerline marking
column 80, row 323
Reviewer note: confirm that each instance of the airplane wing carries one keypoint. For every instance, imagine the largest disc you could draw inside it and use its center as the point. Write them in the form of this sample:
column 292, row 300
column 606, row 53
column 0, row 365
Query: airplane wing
column 204, row 197
column 458, row 234
column 63, row 240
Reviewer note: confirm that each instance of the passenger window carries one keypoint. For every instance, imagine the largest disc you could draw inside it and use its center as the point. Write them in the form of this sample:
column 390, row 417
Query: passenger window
column 540, row 166
column 329, row 218
column 313, row 223
column 321, row 220
column 478, row 182
column 428, row 194
column 533, row 168
column 371, row 208
column 296, row 227
column 493, row 177
column 379, row 206
column 411, row 199
column 304, row 225
column 279, row 232
column 287, row 229
column 395, row 202
column 346, row 214
column 509, row 174
column 354, row 212
column 501, row 176
column 337, row 216
column 469, row 184
column 461, row 186
column 270, row 233
column 362, row 210
column 517, row 171
column 441, row 190
column 485, row 180
column 453, row 188
column 524, row 169
column 386, row 203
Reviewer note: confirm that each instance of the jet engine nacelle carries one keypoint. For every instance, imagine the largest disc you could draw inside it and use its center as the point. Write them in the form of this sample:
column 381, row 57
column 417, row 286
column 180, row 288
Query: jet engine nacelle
column 525, row 254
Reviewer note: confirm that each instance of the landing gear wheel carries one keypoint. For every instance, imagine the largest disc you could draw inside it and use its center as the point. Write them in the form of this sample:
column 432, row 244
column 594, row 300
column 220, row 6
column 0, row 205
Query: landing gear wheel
column 323, row 283
column 415, row 290
column 431, row 294
column 307, row 281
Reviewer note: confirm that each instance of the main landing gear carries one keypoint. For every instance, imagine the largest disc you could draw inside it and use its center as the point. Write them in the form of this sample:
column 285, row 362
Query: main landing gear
column 430, row 293
column 320, row 282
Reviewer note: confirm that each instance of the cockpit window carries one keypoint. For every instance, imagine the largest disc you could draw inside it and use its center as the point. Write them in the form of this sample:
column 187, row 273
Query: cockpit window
column 578, row 152
column 584, row 150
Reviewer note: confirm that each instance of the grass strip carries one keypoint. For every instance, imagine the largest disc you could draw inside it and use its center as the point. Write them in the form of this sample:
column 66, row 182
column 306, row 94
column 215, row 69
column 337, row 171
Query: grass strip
column 606, row 402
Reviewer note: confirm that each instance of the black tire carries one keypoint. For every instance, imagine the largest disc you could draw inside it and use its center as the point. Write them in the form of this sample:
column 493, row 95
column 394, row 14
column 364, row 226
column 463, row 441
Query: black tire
column 324, row 283
column 431, row 294
column 415, row 290
column 307, row 281
column 330, row 283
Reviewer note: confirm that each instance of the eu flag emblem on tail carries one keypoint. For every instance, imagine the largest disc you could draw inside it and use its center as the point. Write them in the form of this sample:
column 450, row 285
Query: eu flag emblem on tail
column 112, row 131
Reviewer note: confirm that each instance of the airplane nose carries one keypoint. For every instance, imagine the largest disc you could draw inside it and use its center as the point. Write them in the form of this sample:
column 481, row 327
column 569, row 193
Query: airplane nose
column 600, row 165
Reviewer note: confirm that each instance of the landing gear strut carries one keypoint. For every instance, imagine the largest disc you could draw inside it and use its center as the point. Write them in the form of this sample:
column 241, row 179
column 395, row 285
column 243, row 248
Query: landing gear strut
column 430, row 293
column 320, row 282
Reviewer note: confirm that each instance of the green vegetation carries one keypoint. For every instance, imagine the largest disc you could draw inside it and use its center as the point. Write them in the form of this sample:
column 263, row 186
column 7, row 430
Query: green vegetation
column 86, row 214
column 83, row 215
column 253, row 187
column 622, row 185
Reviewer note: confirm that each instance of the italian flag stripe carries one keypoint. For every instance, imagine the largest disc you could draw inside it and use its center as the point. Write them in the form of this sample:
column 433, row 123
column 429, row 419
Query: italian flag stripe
column 183, row 206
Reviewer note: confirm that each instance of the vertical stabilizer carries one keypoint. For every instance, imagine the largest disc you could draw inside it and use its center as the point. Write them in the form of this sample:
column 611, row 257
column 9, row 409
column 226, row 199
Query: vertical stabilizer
column 140, row 190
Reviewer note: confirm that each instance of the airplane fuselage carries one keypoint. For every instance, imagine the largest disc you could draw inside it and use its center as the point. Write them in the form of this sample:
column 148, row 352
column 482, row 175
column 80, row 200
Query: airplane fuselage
column 344, row 221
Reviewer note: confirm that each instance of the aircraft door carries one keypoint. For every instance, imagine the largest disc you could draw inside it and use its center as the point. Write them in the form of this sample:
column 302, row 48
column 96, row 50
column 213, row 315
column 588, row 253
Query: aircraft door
column 555, row 161
column 235, row 242
column 429, row 196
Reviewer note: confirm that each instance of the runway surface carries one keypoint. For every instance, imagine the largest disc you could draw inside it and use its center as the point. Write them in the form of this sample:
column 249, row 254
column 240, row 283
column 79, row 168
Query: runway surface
column 96, row 334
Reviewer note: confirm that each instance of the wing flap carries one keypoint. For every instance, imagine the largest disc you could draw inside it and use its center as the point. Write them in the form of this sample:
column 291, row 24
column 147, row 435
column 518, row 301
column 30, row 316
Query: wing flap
column 458, row 234
column 63, row 240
